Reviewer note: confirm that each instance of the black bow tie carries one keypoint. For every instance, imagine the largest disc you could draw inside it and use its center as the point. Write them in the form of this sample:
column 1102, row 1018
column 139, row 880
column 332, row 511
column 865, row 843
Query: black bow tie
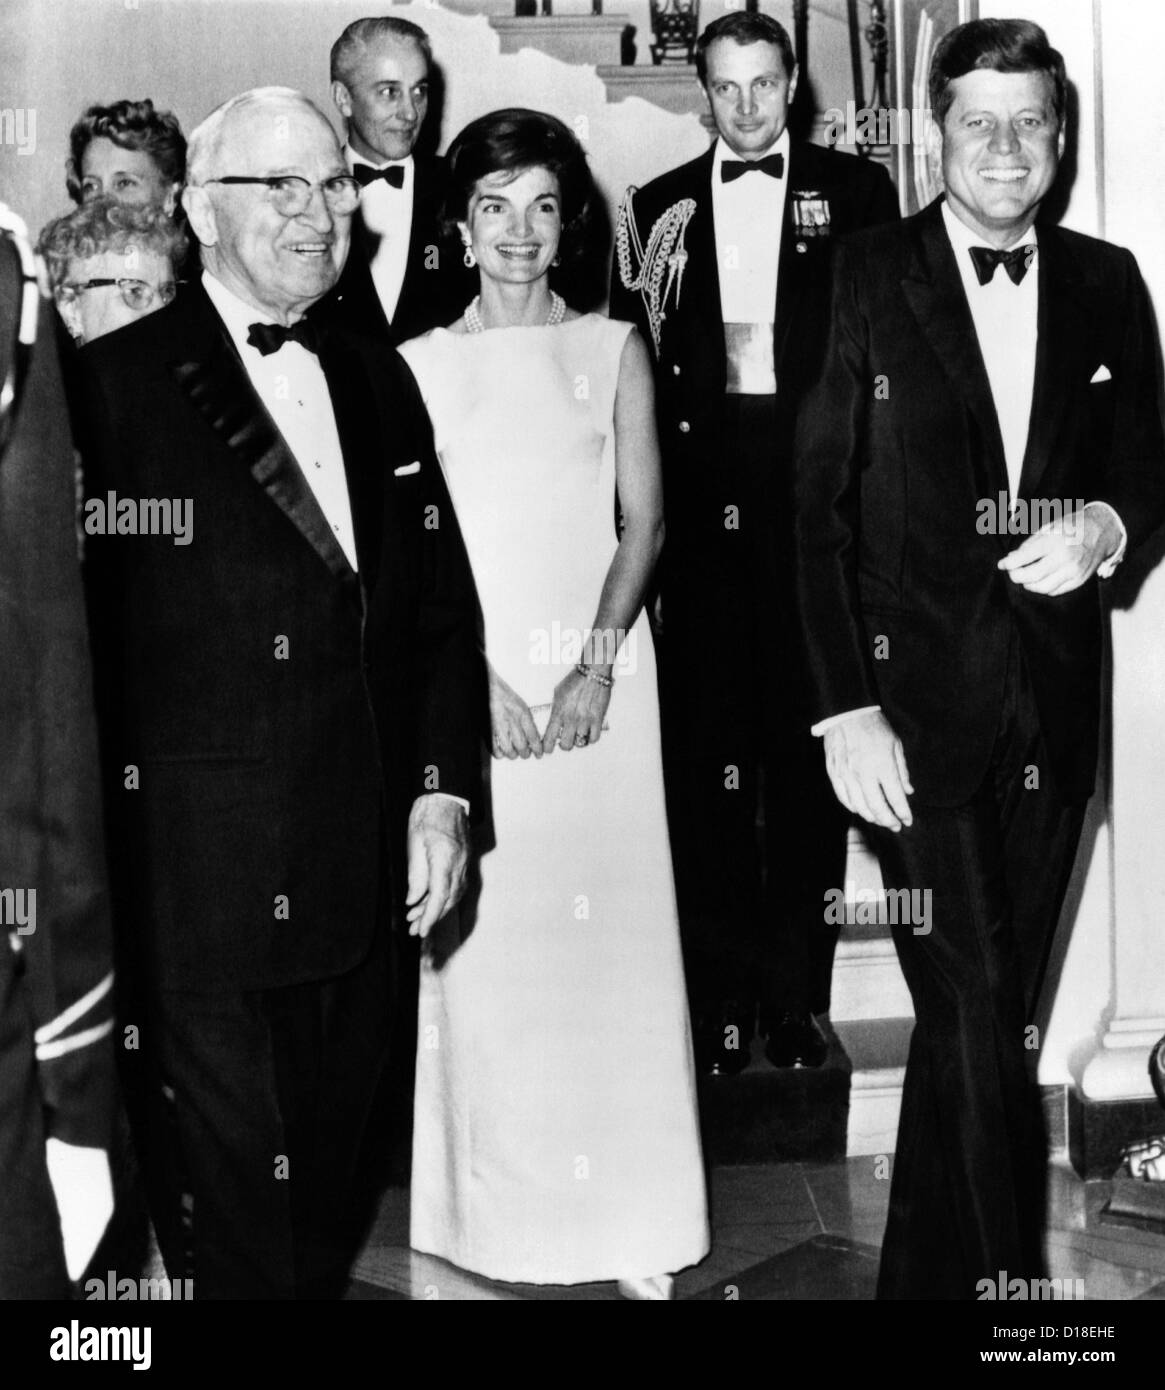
column 270, row 337
column 393, row 175
column 771, row 164
column 1015, row 262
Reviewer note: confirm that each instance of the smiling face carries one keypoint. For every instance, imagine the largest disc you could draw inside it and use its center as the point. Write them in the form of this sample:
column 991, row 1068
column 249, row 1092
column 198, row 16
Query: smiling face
column 385, row 99
column 514, row 225
column 93, row 312
column 1001, row 144
column 748, row 93
column 130, row 176
column 281, row 265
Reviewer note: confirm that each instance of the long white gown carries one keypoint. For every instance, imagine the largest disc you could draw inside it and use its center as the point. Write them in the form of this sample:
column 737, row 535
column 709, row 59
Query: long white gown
column 556, row 1137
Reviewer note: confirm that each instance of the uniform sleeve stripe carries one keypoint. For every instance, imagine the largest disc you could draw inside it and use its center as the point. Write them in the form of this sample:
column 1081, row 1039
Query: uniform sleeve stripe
column 74, row 1011
column 47, row 1052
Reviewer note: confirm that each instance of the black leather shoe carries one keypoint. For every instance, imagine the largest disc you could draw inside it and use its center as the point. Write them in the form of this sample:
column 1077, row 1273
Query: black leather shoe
column 796, row 1040
column 721, row 1041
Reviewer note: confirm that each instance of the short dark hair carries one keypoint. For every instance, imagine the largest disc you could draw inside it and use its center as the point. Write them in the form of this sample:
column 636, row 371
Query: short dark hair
column 348, row 48
column 103, row 224
column 744, row 28
column 131, row 125
column 510, row 142
column 997, row 45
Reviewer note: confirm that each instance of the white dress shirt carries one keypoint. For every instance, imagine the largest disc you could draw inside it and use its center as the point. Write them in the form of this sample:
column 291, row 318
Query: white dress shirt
column 292, row 386
column 1006, row 318
column 749, row 218
column 1007, row 327
column 388, row 212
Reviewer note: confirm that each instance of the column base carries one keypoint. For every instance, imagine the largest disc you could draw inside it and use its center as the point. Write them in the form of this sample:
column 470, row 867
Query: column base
column 1099, row 1129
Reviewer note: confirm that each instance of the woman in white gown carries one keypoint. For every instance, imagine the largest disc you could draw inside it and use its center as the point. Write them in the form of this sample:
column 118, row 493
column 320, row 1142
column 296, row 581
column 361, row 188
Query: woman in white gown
column 556, row 1136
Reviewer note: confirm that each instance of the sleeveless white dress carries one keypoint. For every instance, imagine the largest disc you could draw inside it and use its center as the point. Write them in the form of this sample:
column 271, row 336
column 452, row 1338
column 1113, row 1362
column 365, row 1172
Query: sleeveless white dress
column 556, row 1137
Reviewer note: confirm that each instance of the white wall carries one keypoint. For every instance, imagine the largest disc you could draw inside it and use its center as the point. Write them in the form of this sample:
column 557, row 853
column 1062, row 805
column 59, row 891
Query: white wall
column 188, row 55
column 1110, row 1003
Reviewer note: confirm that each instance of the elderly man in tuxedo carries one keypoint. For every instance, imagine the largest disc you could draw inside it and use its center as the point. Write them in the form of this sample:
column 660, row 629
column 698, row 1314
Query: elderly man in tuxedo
column 400, row 279
column 284, row 685
column 724, row 265
column 975, row 354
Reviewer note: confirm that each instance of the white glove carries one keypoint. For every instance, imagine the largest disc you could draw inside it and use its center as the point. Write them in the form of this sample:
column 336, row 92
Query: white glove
column 83, row 1187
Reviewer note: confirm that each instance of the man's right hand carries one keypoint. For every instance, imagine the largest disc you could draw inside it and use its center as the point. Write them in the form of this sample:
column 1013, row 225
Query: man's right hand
column 515, row 734
column 866, row 764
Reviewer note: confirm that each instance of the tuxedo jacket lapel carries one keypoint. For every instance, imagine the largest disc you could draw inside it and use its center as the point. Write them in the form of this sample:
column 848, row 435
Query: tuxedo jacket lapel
column 703, row 286
column 215, row 381
column 363, row 237
column 361, row 434
column 426, row 195
column 934, row 291
column 418, row 282
column 1061, row 353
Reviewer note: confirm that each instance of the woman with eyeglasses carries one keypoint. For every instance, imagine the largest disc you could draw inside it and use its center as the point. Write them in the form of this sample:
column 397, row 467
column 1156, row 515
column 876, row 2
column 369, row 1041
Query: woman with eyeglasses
column 110, row 264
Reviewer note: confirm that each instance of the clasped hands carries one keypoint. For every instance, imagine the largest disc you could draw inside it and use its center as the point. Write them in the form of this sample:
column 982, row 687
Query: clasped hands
column 864, row 756
column 576, row 717
column 438, row 832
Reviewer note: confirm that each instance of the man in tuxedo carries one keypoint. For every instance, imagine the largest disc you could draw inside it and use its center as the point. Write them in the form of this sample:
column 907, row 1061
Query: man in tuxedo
column 400, row 278
column 56, row 983
column 724, row 264
column 979, row 363
column 285, row 679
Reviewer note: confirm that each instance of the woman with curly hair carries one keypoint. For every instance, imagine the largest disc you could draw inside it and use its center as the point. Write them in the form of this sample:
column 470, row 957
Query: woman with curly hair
column 109, row 265
column 127, row 151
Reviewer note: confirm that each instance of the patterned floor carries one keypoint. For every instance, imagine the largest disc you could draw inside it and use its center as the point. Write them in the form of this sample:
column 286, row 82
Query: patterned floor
column 789, row 1231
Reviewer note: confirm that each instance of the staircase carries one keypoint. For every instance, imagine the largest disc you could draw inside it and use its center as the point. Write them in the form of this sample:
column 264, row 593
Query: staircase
column 850, row 1105
column 871, row 1014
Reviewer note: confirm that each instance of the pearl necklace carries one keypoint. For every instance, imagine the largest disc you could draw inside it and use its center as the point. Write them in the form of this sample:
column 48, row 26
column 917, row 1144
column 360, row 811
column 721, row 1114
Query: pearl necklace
column 473, row 323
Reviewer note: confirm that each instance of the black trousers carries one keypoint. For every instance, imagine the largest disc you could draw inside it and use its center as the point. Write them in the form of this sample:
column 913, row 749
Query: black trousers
column 967, row 1197
column 269, row 1093
column 736, row 740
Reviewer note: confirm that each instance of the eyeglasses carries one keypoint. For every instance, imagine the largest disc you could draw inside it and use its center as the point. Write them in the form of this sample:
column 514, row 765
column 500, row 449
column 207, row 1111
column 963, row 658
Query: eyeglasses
column 135, row 294
column 291, row 195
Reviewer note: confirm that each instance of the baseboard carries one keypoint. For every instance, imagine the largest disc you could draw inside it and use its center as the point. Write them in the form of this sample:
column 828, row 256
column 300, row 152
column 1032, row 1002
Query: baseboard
column 1099, row 1129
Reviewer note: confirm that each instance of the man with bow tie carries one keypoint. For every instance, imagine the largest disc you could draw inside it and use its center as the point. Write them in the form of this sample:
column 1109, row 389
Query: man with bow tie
column 724, row 265
column 956, row 668
column 400, row 278
column 289, row 706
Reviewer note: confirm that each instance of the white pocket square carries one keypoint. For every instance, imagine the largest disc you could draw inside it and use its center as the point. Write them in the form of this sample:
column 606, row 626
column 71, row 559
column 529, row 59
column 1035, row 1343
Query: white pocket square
column 1101, row 374
column 406, row 469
